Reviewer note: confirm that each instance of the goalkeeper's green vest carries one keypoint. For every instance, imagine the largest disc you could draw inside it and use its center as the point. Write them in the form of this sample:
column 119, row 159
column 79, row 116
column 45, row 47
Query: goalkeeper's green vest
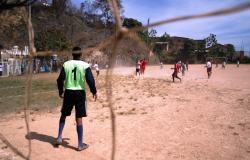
column 75, row 74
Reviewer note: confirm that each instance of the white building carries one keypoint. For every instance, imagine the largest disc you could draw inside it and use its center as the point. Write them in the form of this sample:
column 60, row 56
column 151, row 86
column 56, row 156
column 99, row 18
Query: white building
column 11, row 60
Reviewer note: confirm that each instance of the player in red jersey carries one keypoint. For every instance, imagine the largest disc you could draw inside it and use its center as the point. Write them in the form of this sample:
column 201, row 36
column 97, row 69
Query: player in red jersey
column 176, row 71
column 143, row 65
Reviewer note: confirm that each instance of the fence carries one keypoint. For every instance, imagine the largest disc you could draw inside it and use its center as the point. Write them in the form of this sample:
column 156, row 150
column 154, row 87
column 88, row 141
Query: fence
column 15, row 67
column 4, row 69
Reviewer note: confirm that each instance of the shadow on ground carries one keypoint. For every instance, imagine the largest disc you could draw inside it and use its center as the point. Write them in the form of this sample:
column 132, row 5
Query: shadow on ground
column 48, row 139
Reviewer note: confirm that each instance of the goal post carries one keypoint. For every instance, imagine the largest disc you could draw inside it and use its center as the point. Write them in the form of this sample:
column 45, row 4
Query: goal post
column 217, row 59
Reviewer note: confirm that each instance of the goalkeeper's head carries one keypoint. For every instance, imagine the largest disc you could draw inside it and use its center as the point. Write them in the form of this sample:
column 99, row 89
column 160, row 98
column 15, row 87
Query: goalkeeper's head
column 76, row 52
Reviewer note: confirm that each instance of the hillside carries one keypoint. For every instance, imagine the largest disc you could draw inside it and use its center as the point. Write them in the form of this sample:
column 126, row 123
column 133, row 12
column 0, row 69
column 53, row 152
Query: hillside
column 13, row 28
column 57, row 32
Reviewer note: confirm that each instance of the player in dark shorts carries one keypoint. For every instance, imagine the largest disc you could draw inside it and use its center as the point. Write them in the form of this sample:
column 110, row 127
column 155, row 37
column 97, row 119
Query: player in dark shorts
column 137, row 68
column 187, row 65
column 143, row 64
column 209, row 68
column 72, row 77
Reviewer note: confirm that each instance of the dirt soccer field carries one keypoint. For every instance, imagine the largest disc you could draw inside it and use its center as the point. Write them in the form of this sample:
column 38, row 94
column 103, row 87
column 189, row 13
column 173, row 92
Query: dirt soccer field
column 198, row 119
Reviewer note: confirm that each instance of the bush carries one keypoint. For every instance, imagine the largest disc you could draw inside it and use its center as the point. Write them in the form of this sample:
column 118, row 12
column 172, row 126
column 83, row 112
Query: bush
column 51, row 40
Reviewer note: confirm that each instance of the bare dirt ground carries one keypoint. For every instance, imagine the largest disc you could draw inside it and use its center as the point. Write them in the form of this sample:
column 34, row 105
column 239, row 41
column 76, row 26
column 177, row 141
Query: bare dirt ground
column 198, row 119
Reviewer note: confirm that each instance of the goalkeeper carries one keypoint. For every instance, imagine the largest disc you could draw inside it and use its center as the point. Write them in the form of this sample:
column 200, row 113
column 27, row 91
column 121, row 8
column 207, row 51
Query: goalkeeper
column 73, row 75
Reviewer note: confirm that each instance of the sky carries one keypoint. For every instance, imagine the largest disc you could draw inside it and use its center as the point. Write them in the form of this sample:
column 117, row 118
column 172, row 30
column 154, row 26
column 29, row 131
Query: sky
column 233, row 28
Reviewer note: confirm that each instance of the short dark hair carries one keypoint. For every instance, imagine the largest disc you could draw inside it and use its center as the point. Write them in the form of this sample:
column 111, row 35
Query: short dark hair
column 76, row 52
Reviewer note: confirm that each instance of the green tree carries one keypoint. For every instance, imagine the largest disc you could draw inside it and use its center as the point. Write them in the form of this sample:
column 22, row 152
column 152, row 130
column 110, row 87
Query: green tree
column 147, row 36
column 51, row 40
column 200, row 50
column 60, row 5
column 164, row 38
column 143, row 35
column 168, row 57
column 151, row 38
column 152, row 33
column 211, row 40
column 230, row 51
column 131, row 23
column 9, row 4
column 105, row 11
column 188, row 52
column 218, row 50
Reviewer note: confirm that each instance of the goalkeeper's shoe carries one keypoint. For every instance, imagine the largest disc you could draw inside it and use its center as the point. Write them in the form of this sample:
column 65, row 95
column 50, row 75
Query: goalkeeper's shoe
column 82, row 147
column 59, row 141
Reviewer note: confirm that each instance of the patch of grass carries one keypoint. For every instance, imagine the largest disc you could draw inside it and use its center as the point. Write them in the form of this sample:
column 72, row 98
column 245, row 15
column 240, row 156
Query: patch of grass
column 11, row 81
column 12, row 94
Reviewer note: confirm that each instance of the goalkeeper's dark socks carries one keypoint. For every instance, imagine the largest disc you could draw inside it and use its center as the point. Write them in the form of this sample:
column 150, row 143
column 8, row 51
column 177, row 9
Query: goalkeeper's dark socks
column 79, row 129
column 61, row 126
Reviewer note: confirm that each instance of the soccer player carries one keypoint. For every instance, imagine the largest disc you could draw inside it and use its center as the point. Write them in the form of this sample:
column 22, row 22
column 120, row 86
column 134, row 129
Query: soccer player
column 209, row 68
column 224, row 64
column 176, row 71
column 183, row 68
column 161, row 65
column 187, row 65
column 96, row 66
column 143, row 66
column 73, row 75
column 137, row 68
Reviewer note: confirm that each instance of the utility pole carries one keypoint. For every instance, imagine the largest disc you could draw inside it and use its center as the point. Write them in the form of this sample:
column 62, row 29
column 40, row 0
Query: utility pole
column 148, row 39
column 148, row 33
column 242, row 46
column 242, row 50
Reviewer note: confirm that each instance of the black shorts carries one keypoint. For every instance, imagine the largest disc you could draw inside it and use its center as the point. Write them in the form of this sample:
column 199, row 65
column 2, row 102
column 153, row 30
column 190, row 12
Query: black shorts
column 209, row 69
column 75, row 98
column 137, row 70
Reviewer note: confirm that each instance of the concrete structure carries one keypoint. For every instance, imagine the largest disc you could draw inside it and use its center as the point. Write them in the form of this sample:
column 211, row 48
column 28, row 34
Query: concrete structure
column 177, row 43
column 163, row 45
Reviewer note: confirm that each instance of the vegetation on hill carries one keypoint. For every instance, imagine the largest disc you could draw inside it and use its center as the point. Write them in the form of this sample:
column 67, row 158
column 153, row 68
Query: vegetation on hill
column 13, row 28
column 59, row 25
